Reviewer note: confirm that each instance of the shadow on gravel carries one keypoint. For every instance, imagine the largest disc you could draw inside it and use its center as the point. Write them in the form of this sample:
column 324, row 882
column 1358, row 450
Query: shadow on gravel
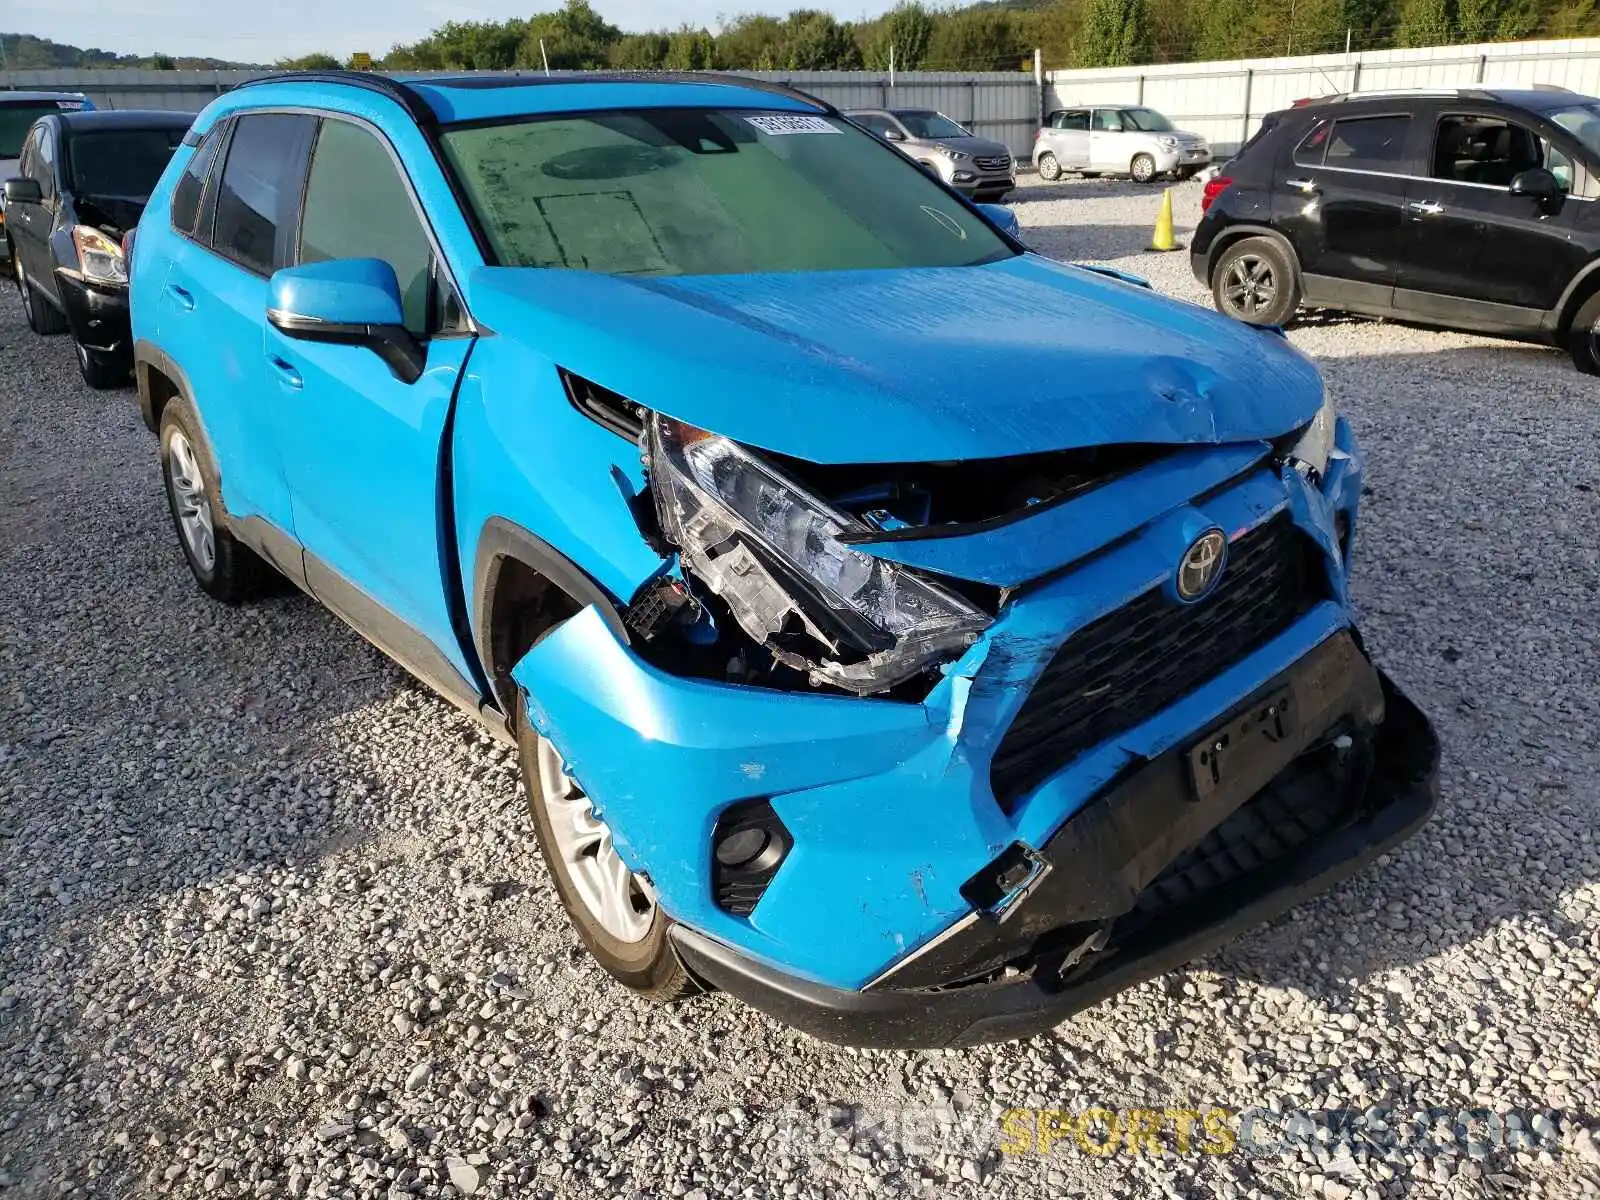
column 1088, row 243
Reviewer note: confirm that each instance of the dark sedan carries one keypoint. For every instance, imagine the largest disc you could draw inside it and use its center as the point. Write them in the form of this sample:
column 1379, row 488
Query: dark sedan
column 82, row 182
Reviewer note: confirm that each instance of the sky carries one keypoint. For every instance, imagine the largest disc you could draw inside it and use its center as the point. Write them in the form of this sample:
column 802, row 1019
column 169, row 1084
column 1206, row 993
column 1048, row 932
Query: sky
column 271, row 29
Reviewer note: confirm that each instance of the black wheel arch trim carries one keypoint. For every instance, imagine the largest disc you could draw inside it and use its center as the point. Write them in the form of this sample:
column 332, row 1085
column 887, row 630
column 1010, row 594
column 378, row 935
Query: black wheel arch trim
column 1227, row 236
column 1572, row 296
column 500, row 540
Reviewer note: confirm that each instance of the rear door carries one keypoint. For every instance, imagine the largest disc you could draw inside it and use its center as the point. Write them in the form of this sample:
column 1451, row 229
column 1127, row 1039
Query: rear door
column 361, row 448
column 1068, row 137
column 1341, row 202
column 1468, row 237
column 213, row 307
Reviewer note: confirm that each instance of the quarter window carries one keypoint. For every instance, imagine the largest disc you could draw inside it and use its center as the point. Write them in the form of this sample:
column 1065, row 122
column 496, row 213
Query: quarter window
column 260, row 182
column 359, row 206
column 1369, row 144
column 192, row 183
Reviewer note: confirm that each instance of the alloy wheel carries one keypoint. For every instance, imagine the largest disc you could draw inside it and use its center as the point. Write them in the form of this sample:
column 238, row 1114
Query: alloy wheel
column 1251, row 285
column 623, row 903
column 190, row 501
column 1144, row 169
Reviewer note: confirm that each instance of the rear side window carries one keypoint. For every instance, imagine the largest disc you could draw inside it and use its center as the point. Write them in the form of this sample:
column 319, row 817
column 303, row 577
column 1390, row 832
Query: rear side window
column 1075, row 118
column 260, row 186
column 1369, row 144
column 192, row 184
column 358, row 206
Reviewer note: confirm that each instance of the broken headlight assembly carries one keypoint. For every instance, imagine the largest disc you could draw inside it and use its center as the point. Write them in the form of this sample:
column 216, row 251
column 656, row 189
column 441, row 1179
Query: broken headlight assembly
column 772, row 552
column 1315, row 447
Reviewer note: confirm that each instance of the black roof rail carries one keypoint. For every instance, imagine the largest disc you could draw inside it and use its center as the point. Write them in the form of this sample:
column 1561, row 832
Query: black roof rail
column 489, row 79
column 394, row 89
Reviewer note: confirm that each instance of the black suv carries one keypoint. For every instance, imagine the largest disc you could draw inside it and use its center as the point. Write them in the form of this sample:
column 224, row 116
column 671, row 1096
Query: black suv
column 1472, row 208
column 81, row 184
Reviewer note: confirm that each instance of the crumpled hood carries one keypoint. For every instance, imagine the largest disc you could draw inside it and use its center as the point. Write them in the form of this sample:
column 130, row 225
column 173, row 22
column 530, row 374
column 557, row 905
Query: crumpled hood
column 121, row 213
column 1016, row 357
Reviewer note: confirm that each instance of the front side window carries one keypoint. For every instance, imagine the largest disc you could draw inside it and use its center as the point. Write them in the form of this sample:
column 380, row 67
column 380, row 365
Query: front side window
column 126, row 163
column 15, row 121
column 192, row 183
column 874, row 123
column 931, row 125
column 707, row 192
column 1107, row 120
column 358, row 206
column 260, row 181
column 1145, row 120
column 1073, row 118
column 44, row 162
column 1369, row 144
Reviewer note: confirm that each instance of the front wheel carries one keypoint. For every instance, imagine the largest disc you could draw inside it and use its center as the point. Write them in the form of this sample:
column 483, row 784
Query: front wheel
column 43, row 317
column 1143, row 168
column 1049, row 168
column 613, row 908
column 1255, row 282
column 1583, row 337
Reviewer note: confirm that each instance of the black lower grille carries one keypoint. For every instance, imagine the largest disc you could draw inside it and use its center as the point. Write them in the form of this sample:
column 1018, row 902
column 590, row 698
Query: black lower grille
column 1128, row 665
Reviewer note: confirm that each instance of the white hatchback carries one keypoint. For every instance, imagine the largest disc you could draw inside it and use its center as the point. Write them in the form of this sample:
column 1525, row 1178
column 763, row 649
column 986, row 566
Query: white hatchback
column 1117, row 140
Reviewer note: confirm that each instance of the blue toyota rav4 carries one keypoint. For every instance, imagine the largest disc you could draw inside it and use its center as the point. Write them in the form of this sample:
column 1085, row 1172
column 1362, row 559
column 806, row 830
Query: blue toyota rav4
column 913, row 636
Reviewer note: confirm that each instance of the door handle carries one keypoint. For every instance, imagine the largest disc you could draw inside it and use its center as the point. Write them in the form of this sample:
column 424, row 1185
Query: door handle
column 183, row 296
column 1426, row 208
column 287, row 374
column 1309, row 186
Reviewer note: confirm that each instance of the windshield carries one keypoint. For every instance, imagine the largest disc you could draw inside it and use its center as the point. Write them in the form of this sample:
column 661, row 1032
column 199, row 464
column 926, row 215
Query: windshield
column 1580, row 120
column 17, row 119
column 931, row 125
column 1146, row 119
column 698, row 192
column 125, row 163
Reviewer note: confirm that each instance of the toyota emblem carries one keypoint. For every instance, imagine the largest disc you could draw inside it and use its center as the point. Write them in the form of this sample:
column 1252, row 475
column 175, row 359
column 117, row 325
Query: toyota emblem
column 1201, row 565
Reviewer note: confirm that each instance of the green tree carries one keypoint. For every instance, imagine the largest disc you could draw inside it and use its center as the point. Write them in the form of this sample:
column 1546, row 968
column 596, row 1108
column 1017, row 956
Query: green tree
column 1115, row 33
column 691, row 50
column 976, row 39
column 1426, row 23
column 576, row 38
column 909, row 29
column 1225, row 30
column 311, row 62
column 751, row 43
column 641, row 52
column 814, row 41
column 162, row 62
column 1496, row 20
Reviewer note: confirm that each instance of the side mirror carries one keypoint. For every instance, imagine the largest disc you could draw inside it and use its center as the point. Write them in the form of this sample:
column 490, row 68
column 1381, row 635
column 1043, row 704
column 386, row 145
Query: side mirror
column 346, row 302
column 1537, row 183
column 893, row 135
column 1003, row 218
column 23, row 191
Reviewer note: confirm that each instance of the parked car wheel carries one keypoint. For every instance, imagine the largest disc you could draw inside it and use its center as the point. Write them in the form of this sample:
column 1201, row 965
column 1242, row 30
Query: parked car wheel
column 1143, row 168
column 1256, row 282
column 43, row 317
column 614, row 910
column 102, row 371
column 1583, row 336
column 1049, row 168
column 225, row 568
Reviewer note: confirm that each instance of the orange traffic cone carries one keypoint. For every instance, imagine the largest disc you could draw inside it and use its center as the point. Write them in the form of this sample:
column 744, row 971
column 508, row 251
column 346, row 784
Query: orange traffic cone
column 1163, row 239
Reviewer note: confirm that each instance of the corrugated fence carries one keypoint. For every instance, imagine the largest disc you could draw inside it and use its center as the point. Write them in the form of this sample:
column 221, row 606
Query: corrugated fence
column 1225, row 101
column 1000, row 104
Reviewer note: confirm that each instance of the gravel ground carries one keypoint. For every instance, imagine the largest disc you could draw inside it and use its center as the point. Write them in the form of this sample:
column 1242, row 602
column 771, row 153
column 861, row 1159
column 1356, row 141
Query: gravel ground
column 272, row 922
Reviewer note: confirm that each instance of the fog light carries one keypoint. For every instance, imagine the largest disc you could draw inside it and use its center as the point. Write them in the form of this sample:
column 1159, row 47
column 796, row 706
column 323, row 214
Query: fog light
column 748, row 846
column 963, row 177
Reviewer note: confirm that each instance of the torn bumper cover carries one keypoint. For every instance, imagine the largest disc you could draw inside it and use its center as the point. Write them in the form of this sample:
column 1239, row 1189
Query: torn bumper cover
column 1165, row 865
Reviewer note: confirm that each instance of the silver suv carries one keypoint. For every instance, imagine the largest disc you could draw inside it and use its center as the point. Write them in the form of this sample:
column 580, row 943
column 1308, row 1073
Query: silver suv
column 977, row 167
column 1117, row 140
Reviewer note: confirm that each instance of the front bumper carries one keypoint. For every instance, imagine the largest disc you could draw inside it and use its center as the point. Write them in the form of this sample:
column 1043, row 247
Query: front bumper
column 97, row 316
column 1182, row 158
column 1109, row 878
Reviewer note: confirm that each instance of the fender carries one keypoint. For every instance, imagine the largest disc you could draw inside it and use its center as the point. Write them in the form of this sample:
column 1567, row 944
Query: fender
column 500, row 540
column 1556, row 317
column 147, row 354
column 1233, row 233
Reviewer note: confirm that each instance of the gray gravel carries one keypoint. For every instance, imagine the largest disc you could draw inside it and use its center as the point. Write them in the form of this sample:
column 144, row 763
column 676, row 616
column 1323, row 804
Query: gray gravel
column 272, row 922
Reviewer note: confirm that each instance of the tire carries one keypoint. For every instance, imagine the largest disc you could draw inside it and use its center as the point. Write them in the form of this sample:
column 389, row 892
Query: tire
column 225, row 568
column 44, row 318
column 1583, row 336
column 102, row 371
column 631, row 945
column 1143, row 168
column 1049, row 168
column 1256, row 281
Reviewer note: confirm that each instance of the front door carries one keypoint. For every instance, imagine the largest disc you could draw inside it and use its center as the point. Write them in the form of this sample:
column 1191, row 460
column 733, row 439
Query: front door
column 1341, row 202
column 31, row 224
column 361, row 448
column 1108, row 144
column 1467, row 236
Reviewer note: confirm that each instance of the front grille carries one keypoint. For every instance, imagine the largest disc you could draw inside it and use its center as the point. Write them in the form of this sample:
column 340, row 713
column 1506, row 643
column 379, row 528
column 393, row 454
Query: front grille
column 994, row 164
column 1125, row 667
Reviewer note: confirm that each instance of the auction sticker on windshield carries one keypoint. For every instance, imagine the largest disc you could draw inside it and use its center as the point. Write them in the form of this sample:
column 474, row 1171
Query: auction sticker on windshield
column 775, row 126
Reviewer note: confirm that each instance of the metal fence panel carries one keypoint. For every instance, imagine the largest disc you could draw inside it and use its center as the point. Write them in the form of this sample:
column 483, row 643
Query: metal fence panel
column 1000, row 104
column 1225, row 101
